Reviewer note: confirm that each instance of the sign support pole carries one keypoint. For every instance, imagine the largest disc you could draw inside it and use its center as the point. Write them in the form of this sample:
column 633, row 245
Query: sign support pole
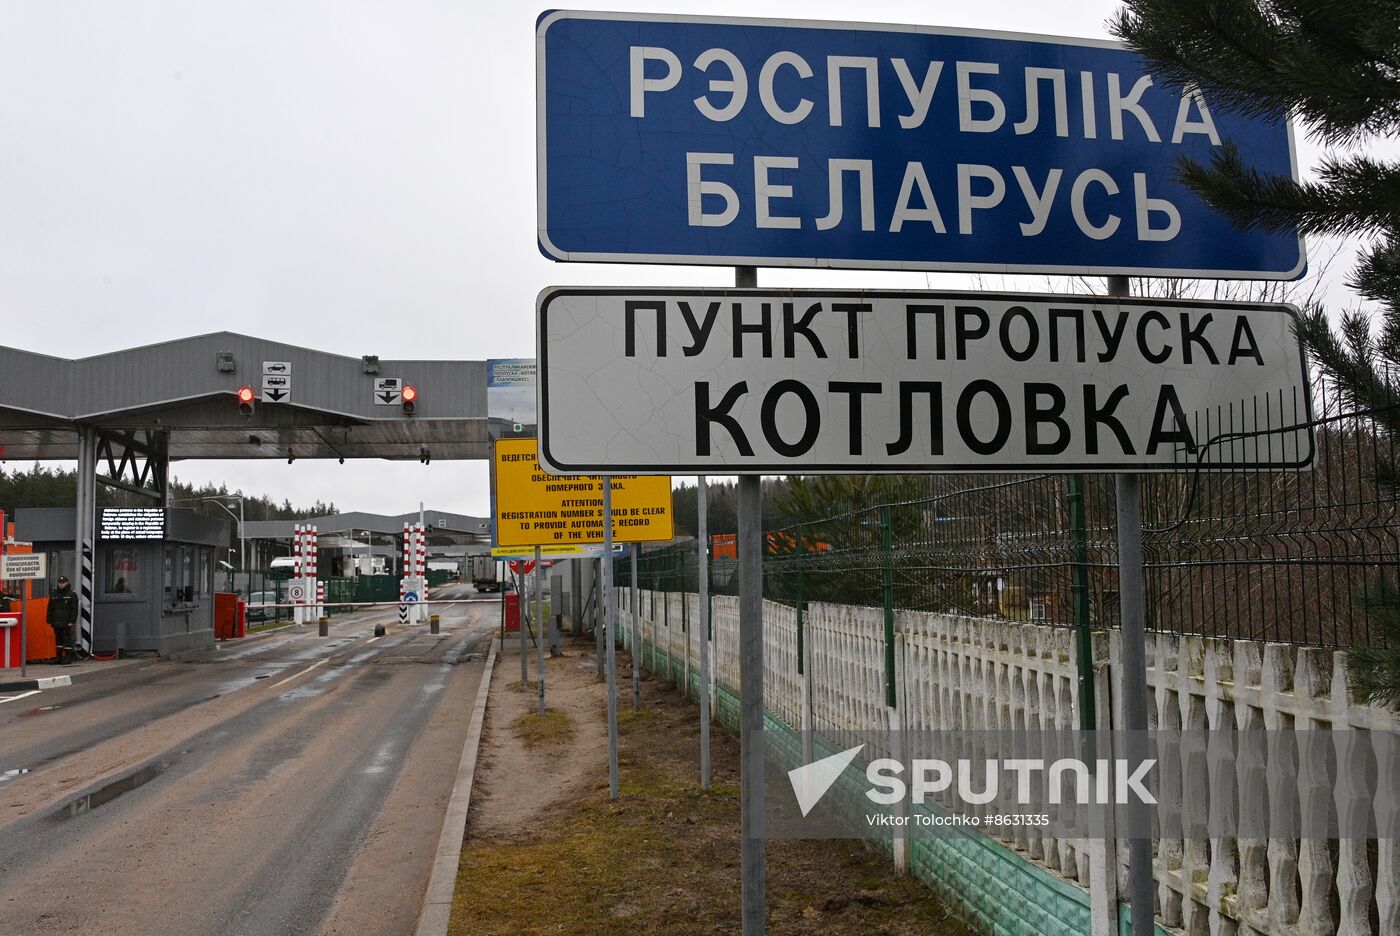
column 703, row 535
column 539, row 625
column 597, row 591
column 1134, row 679
column 524, row 646
column 23, row 604
column 609, row 620
column 753, row 862
column 636, row 632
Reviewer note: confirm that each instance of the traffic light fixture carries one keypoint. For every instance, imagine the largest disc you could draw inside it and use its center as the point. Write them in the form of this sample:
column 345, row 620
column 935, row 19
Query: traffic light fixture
column 409, row 396
column 245, row 401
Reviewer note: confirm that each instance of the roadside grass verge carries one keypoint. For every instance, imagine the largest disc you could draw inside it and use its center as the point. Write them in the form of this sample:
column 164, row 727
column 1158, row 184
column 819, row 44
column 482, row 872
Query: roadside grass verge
column 664, row 858
column 536, row 730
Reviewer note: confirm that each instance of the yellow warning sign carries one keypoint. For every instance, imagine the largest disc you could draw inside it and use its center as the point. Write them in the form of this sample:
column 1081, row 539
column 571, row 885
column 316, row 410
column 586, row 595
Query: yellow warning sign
column 538, row 509
column 548, row 552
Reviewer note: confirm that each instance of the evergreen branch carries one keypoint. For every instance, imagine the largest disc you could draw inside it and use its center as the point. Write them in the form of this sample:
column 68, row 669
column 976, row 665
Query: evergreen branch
column 1349, row 360
column 1374, row 673
column 1335, row 65
column 1356, row 195
column 1377, row 276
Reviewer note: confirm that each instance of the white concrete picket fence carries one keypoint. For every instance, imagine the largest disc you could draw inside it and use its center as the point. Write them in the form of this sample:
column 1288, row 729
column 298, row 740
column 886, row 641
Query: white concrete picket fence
column 962, row 673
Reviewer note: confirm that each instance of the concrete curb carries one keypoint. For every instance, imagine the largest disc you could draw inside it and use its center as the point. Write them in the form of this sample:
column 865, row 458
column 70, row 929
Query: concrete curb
column 442, row 883
column 45, row 682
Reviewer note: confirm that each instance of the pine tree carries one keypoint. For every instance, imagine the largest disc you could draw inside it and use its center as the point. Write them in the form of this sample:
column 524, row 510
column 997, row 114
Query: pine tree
column 1334, row 66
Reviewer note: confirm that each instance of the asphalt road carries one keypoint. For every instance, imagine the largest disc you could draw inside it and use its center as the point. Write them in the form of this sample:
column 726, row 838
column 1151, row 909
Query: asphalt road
column 288, row 784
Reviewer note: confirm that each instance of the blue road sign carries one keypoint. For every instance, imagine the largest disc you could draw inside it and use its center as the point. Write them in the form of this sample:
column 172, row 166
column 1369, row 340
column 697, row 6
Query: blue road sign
column 670, row 139
column 410, row 598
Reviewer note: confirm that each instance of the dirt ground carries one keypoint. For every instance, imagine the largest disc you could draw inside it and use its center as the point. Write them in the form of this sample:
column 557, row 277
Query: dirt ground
column 547, row 852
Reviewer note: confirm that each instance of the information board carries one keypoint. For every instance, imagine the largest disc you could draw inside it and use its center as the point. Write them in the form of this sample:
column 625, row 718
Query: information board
column 131, row 523
column 14, row 566
column 724, row 140
column 814, row 381
column 538, row 509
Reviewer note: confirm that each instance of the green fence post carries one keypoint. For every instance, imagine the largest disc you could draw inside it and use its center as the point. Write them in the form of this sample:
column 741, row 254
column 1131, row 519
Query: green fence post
column 710, row 593
column 666, row 614
column 1079, row 593
column 800, row 605
column 887, row 547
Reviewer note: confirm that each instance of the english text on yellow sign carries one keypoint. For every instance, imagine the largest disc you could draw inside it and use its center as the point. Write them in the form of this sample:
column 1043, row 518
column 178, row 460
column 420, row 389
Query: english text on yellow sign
column 538, row 509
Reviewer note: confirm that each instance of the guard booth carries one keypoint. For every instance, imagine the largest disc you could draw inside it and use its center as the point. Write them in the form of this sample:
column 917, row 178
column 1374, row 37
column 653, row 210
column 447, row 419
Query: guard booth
column 153, row 575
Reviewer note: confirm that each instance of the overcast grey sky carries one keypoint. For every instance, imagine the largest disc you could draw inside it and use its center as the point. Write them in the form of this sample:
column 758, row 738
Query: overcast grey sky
column 352, row 176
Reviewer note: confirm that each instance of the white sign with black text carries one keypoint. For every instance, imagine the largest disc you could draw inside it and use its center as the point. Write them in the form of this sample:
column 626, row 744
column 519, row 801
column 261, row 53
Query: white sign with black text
column 768, row 381
column 14, row 566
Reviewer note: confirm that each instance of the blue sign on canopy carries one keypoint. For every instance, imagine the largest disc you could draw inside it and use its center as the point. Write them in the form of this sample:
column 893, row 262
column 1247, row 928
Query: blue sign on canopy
column 670, row 139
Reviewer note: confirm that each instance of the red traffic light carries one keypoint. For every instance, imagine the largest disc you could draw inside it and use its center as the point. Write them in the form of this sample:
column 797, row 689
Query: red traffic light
column 245, row 400
column 408, row 396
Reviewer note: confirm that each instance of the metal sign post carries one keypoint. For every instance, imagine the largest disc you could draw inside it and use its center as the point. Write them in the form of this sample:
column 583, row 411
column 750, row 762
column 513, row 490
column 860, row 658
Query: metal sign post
column 524, row 619
column 539, row 625
column 556, row 617
column 1134, row 678
column 703, row 535
column 753, row 860
column 636, row 632
column 609, row 622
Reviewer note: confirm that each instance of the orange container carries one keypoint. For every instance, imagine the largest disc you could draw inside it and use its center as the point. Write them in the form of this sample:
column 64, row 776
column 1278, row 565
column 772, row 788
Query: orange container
column 41, row 645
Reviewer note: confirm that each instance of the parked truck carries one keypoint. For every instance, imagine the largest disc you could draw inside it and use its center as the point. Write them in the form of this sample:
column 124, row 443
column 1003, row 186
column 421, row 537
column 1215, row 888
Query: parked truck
column 485, row 575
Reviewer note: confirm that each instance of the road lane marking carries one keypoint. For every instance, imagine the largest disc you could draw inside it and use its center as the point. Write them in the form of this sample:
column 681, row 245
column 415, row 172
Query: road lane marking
column 373, row 639
column 22, row 695
column 302, row 673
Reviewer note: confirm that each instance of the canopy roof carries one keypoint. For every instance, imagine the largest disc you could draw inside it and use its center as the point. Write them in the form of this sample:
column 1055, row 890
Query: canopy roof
column 186, row 390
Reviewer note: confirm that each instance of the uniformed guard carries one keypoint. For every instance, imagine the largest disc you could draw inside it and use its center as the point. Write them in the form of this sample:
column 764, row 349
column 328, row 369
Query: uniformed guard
column 61, row 615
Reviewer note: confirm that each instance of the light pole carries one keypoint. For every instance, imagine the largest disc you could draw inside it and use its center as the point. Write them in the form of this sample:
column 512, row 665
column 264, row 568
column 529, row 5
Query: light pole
column 242, row 544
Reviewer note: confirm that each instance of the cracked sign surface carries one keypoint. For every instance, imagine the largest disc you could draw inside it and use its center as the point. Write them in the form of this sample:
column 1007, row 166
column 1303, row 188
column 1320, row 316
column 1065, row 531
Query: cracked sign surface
column 738, row 381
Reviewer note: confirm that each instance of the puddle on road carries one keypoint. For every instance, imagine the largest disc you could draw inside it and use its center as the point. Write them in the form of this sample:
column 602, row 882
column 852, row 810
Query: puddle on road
column 109, row 792
column 13, row 774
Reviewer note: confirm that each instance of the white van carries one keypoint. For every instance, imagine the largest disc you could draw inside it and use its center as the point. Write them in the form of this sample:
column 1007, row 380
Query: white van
column 289, row 563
